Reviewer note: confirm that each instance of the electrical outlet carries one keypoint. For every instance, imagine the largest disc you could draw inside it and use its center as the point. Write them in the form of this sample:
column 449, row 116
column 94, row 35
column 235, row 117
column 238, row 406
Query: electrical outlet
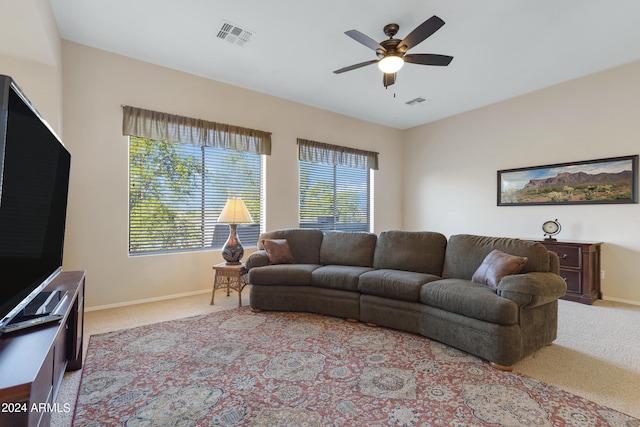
column 602, row 274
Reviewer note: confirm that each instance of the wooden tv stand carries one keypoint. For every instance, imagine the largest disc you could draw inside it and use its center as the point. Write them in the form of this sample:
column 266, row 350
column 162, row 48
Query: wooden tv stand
column 34, row 360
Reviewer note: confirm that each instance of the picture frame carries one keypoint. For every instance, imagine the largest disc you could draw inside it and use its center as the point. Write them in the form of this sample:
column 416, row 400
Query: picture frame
column 603, row 181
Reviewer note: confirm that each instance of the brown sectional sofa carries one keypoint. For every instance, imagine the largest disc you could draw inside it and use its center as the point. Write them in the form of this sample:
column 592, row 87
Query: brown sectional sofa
column 418, row 282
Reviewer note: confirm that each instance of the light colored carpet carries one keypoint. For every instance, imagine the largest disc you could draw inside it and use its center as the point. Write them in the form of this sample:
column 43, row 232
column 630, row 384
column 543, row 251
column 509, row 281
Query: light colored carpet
column 595, row 355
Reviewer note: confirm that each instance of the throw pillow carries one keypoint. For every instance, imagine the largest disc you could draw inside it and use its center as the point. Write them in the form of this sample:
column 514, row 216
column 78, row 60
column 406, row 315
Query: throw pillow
column 495, row 266
column 278, row 251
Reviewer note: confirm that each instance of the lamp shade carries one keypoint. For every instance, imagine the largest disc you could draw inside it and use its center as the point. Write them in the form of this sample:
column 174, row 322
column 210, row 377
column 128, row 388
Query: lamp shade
column 235, row 212
column 390, row 64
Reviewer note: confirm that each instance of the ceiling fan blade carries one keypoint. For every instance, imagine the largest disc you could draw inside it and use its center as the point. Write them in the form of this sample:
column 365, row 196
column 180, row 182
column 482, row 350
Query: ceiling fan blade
column 388, row 79
column 365, row 40
column 428, row 59
column 421, row 32
column 355, row 66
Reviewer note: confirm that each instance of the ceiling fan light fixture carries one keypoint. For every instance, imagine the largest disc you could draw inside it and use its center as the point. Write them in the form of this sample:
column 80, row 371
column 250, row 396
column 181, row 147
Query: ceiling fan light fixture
column 390, row 64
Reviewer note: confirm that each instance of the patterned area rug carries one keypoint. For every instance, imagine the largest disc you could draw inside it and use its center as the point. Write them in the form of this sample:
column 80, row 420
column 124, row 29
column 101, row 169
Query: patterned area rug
column 238, row 368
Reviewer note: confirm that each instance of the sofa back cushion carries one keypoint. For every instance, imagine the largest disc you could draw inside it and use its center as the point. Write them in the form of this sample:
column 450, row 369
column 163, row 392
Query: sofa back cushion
column 304, row 243
column 466, row 252
column 417, row 251
column 348, row 248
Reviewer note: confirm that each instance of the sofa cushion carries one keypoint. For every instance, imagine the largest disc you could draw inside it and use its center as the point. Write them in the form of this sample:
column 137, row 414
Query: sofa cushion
column 338, row 277
column 469, row 299
column 303, row 242
column 417, row 251
column 278, row 251
column 495, row 266
column 282, row 274
column 466, row 252
column 395, row 284
column 354, row 248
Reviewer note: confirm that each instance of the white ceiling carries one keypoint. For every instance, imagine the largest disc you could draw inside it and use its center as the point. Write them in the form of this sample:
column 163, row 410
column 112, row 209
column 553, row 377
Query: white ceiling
column 501, row 48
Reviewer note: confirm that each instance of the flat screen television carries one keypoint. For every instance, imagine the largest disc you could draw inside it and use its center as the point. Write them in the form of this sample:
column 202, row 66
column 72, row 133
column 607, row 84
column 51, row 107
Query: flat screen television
column 34, row 183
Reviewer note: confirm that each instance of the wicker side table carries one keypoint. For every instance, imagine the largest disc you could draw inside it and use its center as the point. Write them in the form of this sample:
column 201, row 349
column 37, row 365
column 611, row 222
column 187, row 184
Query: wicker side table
column 230, row 276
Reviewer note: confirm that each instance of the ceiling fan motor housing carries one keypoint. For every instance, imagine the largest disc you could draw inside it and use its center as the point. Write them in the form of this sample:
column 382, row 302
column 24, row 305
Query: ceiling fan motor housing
column 389, row 47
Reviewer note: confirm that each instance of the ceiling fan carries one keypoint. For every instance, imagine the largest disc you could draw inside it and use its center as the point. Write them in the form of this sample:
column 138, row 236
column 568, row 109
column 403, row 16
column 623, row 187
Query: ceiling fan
column 392, row 52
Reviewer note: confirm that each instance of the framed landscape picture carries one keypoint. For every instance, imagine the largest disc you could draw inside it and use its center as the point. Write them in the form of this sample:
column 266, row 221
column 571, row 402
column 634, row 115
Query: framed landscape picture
column 612, row 180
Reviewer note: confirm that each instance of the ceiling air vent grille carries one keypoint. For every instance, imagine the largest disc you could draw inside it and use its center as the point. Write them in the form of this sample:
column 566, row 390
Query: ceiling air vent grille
column 233, row 33
column 415, row 101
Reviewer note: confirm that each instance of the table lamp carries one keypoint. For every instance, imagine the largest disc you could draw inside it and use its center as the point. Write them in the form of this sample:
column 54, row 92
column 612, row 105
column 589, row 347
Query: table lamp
column 234, row 212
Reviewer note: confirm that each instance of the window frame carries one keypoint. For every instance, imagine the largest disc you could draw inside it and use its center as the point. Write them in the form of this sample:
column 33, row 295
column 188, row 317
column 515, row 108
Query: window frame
column 213, row 235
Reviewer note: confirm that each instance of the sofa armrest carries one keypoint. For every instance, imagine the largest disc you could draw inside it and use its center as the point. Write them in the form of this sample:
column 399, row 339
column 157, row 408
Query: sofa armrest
column 532, row 289
column 257, row 259
column 554, row 262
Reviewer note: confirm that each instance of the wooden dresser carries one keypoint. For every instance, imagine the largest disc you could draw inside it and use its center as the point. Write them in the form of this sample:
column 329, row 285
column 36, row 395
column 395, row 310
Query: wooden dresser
column 579, row 267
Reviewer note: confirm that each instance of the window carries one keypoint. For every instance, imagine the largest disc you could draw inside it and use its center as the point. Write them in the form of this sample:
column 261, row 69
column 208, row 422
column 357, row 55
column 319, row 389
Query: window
column 177, row 191
column 335, row 192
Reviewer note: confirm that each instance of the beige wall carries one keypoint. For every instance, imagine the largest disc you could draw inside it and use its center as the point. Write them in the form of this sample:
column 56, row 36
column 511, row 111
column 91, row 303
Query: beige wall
column 41, row 83
column 30, row 52
column 450, row 168
column 97, row 83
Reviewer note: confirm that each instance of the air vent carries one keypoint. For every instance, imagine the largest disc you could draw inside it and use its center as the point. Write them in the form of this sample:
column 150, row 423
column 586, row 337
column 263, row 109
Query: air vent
column 233, row 33
column 416, row 101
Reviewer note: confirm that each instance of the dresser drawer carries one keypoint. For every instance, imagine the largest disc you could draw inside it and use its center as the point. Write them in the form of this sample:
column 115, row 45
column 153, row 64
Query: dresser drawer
column 570, row 256
column 573, row 279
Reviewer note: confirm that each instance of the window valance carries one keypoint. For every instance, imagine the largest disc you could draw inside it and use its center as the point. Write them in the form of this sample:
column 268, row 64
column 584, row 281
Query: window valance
column 320, row 152
column 170, row 127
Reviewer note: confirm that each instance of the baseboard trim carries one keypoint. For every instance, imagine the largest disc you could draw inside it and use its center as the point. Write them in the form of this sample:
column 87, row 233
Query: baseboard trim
column 624, row 301
column 204, row 291
column 146, row 300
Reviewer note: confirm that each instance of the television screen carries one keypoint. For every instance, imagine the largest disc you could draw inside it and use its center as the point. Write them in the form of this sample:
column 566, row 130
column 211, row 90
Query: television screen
column 33, row 200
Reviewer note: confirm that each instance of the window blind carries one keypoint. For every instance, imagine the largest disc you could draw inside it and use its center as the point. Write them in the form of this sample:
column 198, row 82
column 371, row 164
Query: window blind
column 177, row 191
column 334, row 193
column 181, row 173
